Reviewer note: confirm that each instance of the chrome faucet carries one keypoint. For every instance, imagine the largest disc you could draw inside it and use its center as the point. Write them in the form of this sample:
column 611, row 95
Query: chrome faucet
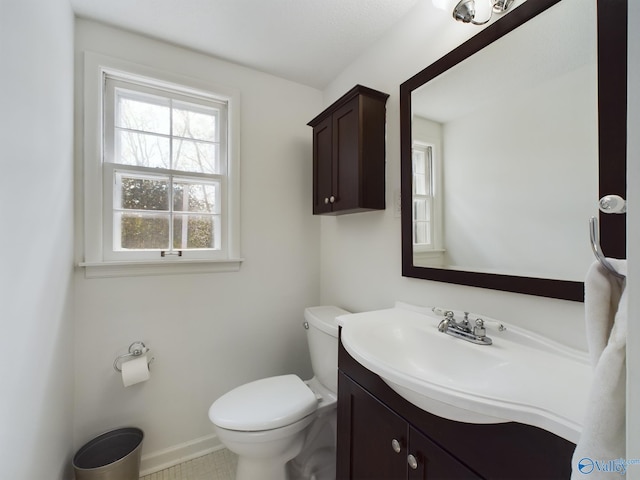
column 463, row 329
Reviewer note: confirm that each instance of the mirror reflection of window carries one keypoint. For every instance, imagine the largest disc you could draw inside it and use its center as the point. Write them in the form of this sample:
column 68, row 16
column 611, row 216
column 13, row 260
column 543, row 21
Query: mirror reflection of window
column 426, row 205
column 422, row 195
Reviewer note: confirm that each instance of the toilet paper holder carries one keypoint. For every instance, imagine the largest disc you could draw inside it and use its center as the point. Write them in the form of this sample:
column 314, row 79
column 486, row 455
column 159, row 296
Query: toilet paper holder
column 135, row 350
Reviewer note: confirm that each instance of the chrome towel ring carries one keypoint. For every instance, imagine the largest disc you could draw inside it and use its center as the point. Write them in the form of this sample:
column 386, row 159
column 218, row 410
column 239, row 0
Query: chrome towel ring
column 607, row 204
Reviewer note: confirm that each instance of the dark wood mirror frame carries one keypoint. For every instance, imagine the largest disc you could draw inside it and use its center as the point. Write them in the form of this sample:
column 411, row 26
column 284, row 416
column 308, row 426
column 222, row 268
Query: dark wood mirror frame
column 612, row 163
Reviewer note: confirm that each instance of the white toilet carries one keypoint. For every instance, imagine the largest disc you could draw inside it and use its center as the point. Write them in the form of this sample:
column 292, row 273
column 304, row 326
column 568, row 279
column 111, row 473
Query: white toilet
column 271, row 421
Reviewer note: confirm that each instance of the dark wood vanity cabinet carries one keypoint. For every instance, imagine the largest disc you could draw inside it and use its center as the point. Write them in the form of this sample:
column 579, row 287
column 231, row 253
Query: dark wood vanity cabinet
column 371, row 416
column 349, row 153
column 383, row 445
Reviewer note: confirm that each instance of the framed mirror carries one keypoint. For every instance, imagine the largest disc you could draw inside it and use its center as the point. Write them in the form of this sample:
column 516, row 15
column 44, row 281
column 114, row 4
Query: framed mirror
column 508, row 142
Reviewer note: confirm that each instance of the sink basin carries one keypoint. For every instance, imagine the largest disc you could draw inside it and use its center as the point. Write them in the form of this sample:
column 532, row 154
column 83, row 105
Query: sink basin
column 521, row 377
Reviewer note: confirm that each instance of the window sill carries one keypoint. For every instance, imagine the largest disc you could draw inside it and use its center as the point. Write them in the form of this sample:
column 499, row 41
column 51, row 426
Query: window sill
column 171, row 267
column 428, row 252
column 428, row 258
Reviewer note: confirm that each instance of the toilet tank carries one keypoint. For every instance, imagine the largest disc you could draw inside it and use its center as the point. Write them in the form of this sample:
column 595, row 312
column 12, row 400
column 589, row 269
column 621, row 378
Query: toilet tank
column 322, row 336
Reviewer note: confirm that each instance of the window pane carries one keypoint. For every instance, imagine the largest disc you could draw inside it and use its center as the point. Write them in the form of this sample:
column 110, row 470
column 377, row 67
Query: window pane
column 419, row 184
column 199, row 125
column 196, row 197
column 141, row 149
column 192, row 156
column 142, row 231
column 135, row 113
column 418, row 233
column 142, row 193
column 428, row 174
column 421, row 233
column 422, row 169
column 421, row 209
column 419, row 161
column 196, row 231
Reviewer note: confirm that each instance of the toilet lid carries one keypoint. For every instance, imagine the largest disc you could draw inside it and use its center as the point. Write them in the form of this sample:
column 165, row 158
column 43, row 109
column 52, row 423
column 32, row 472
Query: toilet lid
column 264, row 404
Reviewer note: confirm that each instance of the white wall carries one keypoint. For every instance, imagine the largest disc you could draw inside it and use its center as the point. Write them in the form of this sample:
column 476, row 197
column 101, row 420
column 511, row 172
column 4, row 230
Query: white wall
column 560, row 155
column 208, row 332
column 36, row 206
column 361, row 253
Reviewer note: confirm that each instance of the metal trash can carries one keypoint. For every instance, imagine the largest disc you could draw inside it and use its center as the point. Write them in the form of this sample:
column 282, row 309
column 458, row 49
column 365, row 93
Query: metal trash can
column 114, row 455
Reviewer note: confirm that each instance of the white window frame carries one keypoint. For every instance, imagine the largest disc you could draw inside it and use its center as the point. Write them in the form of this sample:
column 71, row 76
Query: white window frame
column 97, row 257
column 427, row 151
column 435, row 249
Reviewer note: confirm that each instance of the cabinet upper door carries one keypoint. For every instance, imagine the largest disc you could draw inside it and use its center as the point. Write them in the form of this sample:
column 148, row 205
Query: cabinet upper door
column 322, row 166
column 347, row 156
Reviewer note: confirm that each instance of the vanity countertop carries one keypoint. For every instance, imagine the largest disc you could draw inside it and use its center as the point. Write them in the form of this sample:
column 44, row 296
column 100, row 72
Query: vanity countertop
column 521, row 377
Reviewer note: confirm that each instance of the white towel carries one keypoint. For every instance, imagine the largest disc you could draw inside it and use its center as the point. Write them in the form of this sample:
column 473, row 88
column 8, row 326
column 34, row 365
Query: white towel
column 601, row 446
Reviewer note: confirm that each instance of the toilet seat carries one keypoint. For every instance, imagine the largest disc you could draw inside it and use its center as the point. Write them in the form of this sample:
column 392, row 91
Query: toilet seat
column 264, row 404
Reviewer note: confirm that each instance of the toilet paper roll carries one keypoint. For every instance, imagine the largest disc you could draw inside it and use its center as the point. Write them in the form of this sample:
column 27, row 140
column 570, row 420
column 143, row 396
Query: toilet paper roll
column 135, row 371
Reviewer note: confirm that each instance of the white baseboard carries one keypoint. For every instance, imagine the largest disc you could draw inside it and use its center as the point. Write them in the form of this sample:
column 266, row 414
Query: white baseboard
column 156, row 461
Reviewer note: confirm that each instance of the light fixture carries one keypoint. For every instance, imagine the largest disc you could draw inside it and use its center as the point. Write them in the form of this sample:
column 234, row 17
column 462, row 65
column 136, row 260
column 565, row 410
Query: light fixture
column 465, row 10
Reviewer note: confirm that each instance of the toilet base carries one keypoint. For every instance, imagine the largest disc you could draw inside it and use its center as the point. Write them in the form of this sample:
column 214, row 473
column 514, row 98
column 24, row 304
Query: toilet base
column 264, row 454
column 321, row 465
column 269, row 467
column 317, row 461
column 250, row 469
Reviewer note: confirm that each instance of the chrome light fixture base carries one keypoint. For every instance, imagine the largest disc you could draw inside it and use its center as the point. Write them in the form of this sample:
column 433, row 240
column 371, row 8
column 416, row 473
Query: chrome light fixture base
column 501, row 6
column 465, row 10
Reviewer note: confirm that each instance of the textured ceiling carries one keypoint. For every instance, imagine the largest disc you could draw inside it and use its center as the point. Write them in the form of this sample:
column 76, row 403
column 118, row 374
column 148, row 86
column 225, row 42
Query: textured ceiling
column 307, row 41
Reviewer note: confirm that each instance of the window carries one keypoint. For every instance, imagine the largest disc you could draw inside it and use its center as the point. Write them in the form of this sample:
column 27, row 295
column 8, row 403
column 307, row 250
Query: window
column 164, row 172
column 426, row 208
column 162, row 177
column 423, row 198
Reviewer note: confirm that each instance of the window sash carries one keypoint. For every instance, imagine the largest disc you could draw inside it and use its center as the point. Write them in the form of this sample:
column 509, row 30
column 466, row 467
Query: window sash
column 113, row 210
column 423, row 196
column 172, row 100
column 115, row 88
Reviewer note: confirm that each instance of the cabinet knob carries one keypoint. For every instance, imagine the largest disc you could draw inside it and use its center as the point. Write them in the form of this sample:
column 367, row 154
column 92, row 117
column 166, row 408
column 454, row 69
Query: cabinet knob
column 332, row 199
column 326, row 200
column 413, row 463
column 395, row 444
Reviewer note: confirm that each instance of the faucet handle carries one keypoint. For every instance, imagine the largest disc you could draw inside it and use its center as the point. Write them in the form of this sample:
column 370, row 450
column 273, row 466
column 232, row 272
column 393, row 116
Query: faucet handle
column 442, row 311
column 443, row 326
column 479, row 330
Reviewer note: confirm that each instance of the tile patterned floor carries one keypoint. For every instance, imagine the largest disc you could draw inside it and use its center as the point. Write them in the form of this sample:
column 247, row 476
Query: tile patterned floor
column 219, row 465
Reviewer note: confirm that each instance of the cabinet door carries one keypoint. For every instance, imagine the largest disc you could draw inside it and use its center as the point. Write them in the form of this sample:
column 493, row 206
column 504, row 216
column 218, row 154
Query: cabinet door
column 429, row 461
column 366, row 430
column 346, row 156
column 323, row 183
column 366, row 449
